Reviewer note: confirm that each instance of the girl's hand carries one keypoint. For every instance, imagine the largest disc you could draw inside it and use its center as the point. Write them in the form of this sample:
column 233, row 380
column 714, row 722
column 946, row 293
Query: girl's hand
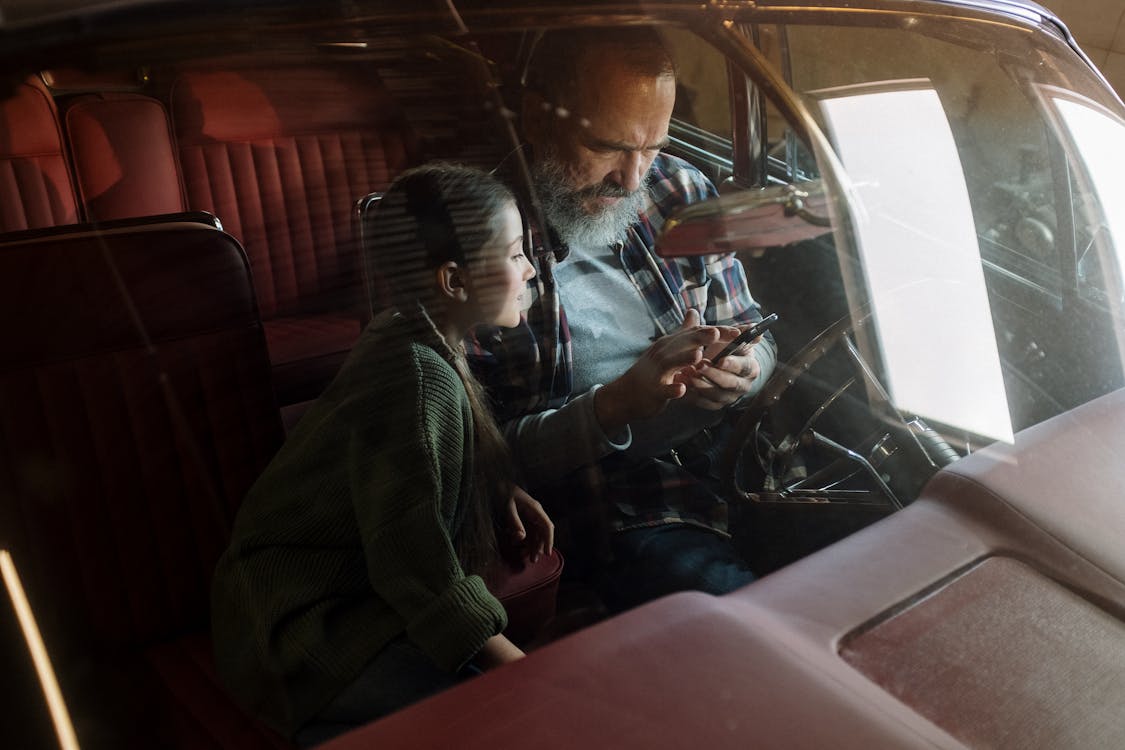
column 531, row 529
column 497, row 650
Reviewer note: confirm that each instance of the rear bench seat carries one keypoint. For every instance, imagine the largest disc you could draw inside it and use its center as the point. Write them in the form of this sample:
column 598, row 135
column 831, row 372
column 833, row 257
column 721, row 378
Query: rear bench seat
column 280, row 154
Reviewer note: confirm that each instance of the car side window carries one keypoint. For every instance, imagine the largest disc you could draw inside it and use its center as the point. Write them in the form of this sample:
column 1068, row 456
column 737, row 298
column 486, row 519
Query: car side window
column 702, row 94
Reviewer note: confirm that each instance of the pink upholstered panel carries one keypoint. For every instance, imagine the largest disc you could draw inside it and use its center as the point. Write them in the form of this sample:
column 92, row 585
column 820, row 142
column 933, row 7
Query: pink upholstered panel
column 280, row 155
column 123, row 156
column 35, row 186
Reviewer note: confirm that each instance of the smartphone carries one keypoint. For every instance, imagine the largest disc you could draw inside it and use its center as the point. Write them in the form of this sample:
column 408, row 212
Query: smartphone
column 749, row 334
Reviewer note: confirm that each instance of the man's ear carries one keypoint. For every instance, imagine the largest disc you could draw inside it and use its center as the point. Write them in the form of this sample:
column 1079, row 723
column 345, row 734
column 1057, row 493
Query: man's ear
column 451, row 282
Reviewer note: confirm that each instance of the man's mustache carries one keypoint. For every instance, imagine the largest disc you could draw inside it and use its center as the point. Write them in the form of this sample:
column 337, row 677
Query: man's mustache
column 602, row 190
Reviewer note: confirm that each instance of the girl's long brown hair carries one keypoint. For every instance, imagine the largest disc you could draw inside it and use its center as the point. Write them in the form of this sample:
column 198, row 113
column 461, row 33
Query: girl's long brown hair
column 431, row 215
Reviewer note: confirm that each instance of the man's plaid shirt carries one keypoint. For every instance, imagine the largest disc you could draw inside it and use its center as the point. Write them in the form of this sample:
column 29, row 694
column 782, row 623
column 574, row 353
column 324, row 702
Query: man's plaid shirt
column 529, row 369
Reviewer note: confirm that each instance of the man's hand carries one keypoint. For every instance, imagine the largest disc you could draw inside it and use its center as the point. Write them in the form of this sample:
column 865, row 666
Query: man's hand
column 531, row 529
column 660, row 375
column 717, row 386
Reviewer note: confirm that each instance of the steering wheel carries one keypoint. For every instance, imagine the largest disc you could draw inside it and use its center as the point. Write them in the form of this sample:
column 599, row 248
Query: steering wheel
column 916, row 449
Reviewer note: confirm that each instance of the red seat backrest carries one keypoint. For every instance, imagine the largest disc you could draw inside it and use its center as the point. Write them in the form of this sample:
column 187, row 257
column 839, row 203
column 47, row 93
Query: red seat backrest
column 280, row 155
column 135, row 412
column 35, row 186
column 124, row 160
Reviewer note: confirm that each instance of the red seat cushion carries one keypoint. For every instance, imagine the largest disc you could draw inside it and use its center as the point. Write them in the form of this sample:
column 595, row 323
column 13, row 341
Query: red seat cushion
column 306, row 351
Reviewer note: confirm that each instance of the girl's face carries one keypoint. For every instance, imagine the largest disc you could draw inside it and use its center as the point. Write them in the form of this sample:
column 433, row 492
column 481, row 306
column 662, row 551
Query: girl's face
column 499, row 274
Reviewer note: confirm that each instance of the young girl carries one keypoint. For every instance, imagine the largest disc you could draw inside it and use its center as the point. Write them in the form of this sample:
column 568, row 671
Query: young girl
column 352, row 583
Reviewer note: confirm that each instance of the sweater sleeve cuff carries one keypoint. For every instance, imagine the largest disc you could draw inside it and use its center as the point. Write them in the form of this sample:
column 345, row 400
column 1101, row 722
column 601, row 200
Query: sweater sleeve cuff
column 455, row 625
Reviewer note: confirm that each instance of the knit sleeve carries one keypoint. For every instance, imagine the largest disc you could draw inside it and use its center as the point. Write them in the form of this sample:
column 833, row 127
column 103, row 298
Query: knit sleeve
column 406, row 496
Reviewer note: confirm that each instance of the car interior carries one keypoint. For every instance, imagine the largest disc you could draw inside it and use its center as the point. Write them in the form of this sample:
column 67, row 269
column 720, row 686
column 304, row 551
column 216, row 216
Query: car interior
column 194, row 235
column 181, row 244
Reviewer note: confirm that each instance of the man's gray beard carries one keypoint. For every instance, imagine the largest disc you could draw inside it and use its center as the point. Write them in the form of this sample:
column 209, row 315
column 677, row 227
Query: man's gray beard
column 564, row 210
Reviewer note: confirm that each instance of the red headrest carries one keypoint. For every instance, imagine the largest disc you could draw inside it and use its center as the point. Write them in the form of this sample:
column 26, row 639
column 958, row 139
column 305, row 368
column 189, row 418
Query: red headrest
column 253, row 103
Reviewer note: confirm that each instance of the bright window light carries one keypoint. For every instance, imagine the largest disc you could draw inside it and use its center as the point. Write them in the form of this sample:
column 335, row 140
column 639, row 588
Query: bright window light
column 918, row 243
column 1098, row 137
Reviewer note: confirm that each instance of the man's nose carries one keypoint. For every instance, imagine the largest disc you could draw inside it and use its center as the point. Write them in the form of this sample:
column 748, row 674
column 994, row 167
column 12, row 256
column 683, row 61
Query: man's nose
column 632, row 170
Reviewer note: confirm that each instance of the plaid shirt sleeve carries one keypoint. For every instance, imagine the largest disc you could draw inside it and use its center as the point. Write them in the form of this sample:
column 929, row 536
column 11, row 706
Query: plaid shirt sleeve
column 713, row 284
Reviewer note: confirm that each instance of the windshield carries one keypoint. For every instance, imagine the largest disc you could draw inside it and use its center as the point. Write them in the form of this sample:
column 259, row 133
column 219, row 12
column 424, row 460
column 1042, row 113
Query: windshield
column 407, row 300
column 972, row 221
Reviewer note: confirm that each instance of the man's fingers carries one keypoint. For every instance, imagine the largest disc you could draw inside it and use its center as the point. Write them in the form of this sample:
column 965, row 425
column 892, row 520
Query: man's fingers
column 672, row 391
column 691, row 319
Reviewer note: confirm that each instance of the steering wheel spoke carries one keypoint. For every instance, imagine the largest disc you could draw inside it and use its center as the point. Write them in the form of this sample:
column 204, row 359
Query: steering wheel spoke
column 901, row 442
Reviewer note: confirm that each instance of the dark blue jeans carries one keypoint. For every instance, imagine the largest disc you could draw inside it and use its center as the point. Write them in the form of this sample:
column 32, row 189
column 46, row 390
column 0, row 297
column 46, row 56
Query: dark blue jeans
column 651, row 562
column 399, row 675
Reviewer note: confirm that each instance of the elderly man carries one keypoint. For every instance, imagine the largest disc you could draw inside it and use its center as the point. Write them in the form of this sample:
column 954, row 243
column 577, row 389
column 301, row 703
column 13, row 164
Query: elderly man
column 607, row 393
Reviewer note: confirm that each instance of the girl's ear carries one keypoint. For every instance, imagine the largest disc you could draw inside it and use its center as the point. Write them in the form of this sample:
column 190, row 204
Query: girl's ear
column 451, row 282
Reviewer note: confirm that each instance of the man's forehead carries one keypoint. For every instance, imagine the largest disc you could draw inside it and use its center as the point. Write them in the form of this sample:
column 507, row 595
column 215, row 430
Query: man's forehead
column 609, row 137
column 598, row 75
column 614, row 104
column 614, row 89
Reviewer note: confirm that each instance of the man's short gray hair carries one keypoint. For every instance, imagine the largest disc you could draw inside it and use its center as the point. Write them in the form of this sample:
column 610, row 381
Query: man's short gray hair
column 559, row 62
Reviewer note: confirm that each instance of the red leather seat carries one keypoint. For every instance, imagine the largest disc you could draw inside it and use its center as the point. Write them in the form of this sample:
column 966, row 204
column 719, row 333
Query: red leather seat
column 136, row 412
column 530, row 596
column 35, row 186
column 124, row 162
column 280, row 154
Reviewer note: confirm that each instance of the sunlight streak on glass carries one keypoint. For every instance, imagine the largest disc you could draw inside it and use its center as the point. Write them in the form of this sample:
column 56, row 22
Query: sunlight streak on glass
column 59, row 714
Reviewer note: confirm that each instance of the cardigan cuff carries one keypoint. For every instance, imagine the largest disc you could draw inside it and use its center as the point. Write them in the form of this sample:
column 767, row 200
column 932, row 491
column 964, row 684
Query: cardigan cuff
column 455, row 625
